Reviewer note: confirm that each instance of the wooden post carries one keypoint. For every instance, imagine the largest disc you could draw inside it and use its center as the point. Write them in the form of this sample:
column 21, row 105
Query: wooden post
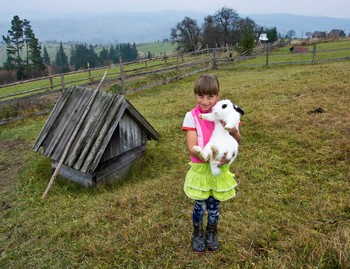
column 50, row 78
column 121, row 66
column 177, row 67
column 267, row 54
column 89, row 72
column 71, row 139
column 314, row 54
column 214, row 60
column 62, row 81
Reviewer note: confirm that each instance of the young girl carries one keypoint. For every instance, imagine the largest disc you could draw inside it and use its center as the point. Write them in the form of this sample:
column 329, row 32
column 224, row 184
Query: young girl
column 207, row 190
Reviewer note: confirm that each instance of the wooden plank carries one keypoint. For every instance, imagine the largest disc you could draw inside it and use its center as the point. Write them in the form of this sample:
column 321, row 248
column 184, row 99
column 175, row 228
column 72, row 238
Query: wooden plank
column 141, row 120
column 52, row 118
column 90, row 130
column 84, row 179
column 118, row 164
column 67, row 123
column 108, row 129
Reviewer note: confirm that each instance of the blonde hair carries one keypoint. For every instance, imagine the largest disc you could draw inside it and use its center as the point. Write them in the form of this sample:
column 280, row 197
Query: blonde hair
column 207, row 85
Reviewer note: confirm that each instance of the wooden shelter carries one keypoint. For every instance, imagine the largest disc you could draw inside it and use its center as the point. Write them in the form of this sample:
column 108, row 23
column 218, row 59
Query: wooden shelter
column 112, row 135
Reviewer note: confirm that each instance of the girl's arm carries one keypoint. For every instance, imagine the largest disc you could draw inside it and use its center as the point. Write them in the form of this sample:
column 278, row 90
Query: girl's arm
column 191, row 142
column 236, row 134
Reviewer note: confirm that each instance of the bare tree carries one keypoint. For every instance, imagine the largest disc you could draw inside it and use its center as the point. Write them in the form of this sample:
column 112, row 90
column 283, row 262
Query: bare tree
column 186, row 34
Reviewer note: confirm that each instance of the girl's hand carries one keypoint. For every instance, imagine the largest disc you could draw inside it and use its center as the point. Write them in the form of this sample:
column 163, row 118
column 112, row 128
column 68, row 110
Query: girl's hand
column 223, row 160
column 234, row 132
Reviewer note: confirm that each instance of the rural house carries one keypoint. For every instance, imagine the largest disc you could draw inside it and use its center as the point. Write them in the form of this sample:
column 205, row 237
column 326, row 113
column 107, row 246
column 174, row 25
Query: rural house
column 336, row 34
column 319, row 34
column 112, row 135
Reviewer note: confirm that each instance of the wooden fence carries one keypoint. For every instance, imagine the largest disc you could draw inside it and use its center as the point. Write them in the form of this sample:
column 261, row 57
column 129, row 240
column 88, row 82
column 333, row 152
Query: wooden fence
column 133, row 76
column 139, row 75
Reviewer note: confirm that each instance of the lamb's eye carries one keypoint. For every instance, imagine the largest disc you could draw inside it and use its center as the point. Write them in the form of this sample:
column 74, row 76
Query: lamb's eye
column 224, row 106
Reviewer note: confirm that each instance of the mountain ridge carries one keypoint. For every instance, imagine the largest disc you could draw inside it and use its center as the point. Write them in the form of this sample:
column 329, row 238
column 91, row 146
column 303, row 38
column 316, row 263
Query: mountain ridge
column 144, row 27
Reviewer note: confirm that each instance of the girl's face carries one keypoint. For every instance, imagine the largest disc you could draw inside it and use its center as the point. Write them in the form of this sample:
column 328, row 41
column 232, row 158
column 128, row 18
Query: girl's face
column 206, row 102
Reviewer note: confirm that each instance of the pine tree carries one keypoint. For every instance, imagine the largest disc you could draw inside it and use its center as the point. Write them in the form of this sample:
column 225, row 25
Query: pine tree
column 92, row 57
column 46, row 57
column 14, row 41
column 23, row 49
column 28, row 35
column 37, row 62
column 62, row 59
column 103, row 56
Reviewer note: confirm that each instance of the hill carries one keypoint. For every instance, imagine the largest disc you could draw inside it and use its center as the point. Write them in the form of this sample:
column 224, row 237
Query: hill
column 145, row 27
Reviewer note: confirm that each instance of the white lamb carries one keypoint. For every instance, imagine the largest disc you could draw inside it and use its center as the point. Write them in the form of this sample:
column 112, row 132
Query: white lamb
column 221, row 142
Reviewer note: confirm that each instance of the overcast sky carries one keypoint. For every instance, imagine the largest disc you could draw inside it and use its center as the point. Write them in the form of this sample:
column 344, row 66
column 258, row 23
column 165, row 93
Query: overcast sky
column 329, row 8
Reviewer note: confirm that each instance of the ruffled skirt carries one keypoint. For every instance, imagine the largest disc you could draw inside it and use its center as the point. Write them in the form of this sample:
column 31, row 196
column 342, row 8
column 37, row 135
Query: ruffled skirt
column 200, row 183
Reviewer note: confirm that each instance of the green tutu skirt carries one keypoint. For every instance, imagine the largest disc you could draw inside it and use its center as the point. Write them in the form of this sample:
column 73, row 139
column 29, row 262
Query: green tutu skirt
column 200, row 183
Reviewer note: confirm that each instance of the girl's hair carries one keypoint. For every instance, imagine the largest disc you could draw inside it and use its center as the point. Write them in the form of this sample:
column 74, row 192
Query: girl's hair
column 207, row 85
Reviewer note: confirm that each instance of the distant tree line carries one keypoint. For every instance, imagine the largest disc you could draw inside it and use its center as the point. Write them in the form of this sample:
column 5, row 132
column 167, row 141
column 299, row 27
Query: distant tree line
column 27, row 59
column 83, row 56
column 223, row 28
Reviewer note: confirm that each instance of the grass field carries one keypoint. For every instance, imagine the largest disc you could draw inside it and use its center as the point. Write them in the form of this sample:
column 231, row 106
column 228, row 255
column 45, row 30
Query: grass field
column 292, row 208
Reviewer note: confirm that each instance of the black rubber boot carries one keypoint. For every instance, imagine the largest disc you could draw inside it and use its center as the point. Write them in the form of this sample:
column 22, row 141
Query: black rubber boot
column 198, row 241
column 211, row 237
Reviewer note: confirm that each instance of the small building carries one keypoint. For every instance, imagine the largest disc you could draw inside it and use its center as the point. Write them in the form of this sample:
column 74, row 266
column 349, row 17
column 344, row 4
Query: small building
column 112, row 135
column 298, row 49
column 263, row 38
column 336, row 34
column 319, row 35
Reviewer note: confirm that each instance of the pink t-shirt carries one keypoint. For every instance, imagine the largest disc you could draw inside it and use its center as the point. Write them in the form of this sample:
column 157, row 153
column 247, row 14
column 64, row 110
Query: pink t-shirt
column 203, row 128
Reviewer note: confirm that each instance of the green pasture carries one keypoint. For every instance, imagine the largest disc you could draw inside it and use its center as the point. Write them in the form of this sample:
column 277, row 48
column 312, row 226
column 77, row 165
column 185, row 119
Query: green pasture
column 292, row 208
column 325, row 51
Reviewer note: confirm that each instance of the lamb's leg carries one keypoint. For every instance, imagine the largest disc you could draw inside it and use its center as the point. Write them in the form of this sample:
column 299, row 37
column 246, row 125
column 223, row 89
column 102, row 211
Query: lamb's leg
column 215, row 167
column 230, row 124
column 230, row 157
column 202, row 154
column 208, row 116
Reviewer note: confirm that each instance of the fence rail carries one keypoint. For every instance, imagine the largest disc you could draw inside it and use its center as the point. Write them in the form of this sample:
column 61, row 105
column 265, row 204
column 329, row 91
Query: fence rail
column 133, row 76
column 132, row 71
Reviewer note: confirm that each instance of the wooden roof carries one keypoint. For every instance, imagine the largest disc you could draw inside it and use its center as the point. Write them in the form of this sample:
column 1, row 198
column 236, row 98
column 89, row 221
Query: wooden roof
column 95, row 131
column 337, row 33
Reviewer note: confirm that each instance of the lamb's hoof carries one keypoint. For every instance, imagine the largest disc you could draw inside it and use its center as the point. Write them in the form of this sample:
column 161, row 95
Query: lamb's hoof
column 214, row 151
column 216, row 171
column 197, row 149
column 201, row 116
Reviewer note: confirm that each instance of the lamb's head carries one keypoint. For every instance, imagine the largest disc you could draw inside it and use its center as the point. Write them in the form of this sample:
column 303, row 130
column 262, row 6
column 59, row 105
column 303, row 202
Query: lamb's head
column 225, row 109
column 228, row 112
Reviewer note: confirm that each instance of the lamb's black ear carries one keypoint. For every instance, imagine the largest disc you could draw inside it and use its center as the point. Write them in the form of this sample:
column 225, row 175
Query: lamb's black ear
column 238, row 109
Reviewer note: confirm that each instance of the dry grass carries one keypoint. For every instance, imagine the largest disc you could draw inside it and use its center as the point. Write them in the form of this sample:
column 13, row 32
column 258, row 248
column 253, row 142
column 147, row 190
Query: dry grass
column 292, row 208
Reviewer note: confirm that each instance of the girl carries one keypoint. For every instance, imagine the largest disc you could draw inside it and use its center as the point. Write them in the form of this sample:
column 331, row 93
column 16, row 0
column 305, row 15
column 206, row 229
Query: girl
column 207, row 190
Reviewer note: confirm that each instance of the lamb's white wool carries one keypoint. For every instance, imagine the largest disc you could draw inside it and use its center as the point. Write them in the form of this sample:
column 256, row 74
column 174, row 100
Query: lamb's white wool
column 221, row 142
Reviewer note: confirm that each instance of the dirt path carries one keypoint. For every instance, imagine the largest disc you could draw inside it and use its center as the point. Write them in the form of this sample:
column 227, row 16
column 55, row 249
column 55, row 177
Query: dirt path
column 11, row 159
